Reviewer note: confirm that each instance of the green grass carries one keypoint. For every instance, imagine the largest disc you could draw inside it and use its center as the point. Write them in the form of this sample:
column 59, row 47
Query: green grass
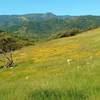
column 43, row 72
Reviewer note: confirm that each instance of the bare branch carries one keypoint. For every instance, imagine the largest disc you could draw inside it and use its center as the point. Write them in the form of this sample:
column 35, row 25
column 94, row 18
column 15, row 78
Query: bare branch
column 1, row 60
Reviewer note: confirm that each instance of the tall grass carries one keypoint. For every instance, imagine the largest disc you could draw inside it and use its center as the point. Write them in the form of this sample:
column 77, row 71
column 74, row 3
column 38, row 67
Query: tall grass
column 63, row 69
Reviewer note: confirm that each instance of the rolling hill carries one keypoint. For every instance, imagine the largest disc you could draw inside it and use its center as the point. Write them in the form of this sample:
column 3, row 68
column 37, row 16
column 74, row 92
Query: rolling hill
column 61, row 69
column 42, row 26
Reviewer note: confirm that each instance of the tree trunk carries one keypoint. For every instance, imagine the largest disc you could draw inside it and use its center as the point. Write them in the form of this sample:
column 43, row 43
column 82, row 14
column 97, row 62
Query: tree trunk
column 9, row 64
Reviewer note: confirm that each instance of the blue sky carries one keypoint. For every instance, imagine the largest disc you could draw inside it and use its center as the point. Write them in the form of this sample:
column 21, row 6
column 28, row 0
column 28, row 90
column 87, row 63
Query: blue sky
column 59, row 7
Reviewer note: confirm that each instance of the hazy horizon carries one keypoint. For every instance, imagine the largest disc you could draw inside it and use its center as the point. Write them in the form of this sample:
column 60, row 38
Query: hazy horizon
column 51, row 13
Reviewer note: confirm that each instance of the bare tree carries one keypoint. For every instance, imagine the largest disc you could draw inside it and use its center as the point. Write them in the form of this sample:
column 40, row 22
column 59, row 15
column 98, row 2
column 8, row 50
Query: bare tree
column 6, row 47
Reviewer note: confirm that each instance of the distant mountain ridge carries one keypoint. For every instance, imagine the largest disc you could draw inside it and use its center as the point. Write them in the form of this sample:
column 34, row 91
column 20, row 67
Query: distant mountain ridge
column 41, row 26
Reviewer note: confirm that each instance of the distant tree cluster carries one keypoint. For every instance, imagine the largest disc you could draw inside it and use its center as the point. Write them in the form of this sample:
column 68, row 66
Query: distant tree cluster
column 66, row 33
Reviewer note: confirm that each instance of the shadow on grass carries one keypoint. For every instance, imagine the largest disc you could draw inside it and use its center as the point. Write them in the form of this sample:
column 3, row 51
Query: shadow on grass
column 58, row 95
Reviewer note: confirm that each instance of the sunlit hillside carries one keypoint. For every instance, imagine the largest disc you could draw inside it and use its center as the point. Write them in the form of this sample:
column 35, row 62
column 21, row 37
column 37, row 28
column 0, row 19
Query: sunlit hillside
column 61, row 69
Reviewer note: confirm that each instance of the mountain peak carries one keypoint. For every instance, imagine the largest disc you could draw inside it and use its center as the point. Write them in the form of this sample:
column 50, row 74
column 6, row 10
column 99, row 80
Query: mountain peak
column 49, row 14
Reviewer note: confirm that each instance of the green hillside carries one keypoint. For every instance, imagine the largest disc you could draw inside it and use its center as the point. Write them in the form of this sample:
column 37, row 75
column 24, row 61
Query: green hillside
column 61, row 69
column 42, row 26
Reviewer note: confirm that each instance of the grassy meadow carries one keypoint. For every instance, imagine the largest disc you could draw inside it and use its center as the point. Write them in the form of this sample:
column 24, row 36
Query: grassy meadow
column 61, row 69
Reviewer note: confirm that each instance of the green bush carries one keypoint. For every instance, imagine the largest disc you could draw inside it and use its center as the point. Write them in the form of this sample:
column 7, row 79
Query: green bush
column 66, row 33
